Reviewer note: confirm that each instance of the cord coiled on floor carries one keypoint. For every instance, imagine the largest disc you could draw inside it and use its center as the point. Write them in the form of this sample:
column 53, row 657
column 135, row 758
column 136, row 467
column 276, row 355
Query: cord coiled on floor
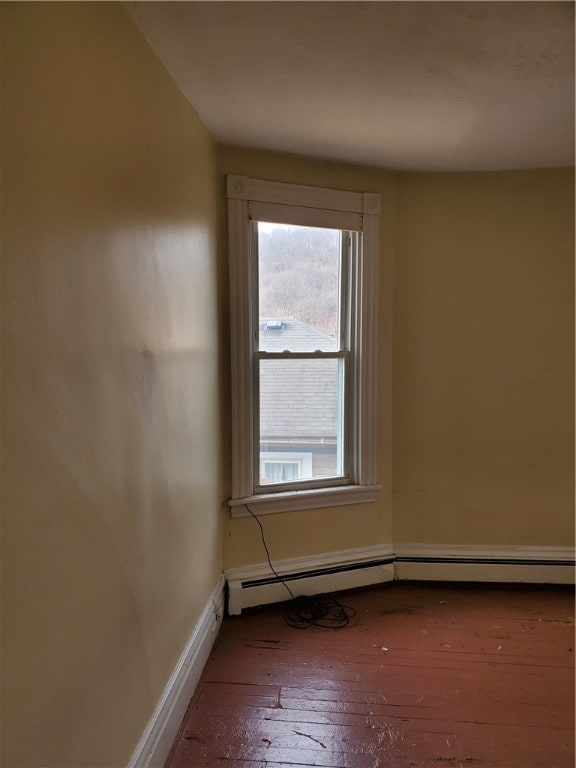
column 317, row 611
column 304, row 611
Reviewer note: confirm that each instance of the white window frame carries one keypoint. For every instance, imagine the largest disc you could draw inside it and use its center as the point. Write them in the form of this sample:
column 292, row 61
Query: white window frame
column 307, row 206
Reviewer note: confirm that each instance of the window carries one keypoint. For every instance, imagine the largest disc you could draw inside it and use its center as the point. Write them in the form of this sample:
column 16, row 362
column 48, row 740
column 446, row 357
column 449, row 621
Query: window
column 303, row 318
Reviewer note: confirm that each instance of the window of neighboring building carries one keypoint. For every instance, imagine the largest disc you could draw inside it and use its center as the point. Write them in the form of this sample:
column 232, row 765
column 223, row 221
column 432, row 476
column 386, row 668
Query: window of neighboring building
column 303, row 317
column 278, row 466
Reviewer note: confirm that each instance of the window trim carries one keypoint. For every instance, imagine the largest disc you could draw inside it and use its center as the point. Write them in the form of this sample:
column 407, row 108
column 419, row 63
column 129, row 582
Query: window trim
column 311, row 204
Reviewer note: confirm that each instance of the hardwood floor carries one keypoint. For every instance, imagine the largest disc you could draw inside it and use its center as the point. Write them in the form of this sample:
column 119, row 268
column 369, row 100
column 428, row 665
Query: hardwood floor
column 425, row 676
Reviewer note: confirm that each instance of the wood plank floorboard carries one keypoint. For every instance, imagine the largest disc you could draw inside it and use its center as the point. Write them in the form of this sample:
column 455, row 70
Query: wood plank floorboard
column 424, row 676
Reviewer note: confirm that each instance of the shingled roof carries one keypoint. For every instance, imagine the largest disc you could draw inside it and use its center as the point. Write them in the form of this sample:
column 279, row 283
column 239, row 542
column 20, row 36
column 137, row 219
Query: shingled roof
column 298, row 398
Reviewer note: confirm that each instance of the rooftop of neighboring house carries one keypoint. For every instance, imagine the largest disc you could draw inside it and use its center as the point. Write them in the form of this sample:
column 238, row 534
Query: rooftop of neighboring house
column 298, row 397
column 278, row 335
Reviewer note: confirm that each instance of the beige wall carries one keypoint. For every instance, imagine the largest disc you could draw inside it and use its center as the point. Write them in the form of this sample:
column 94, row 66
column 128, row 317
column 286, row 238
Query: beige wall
column 483, row 359
column 312, row 532
column 482, row 362
column 111, row 485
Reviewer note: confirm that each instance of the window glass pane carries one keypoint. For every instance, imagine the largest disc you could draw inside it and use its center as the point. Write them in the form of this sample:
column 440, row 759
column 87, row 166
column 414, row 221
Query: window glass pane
column 300, row 420
column 299, row 287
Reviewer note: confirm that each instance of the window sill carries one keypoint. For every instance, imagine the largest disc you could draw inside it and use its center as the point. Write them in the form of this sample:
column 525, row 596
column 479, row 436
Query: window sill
column 287, row 501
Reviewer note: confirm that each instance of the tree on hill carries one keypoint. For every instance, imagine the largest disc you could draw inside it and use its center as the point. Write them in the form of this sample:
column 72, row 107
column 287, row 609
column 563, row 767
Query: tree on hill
column 299, row 274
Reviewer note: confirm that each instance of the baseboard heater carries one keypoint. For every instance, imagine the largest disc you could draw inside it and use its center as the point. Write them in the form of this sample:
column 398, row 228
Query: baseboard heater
column 336, row 571
column 529, row 565
column 316, row 572
column 485, row 560
column 331, row 572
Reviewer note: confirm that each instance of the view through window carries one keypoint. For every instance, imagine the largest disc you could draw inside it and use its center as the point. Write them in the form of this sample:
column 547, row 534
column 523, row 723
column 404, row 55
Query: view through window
column 302, row 343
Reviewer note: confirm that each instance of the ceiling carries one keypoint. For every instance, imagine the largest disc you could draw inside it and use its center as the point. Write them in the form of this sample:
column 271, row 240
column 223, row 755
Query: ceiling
column 423, row 86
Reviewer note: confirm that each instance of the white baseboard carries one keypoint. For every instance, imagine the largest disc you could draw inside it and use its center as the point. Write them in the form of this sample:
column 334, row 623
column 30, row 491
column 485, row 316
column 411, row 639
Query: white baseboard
column 158, row 737
column 530, row 565
column 330, row 572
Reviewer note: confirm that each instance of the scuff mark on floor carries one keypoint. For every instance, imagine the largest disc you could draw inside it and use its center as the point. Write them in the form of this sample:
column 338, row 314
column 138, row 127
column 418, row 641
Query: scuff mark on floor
column 407, row 610
column 312, row 738
column 193, row 737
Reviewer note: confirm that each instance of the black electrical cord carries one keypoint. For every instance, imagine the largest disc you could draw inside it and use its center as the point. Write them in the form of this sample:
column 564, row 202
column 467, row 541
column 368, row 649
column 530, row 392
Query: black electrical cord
column 315, row 611
column 268, row 554
column 318, row 611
